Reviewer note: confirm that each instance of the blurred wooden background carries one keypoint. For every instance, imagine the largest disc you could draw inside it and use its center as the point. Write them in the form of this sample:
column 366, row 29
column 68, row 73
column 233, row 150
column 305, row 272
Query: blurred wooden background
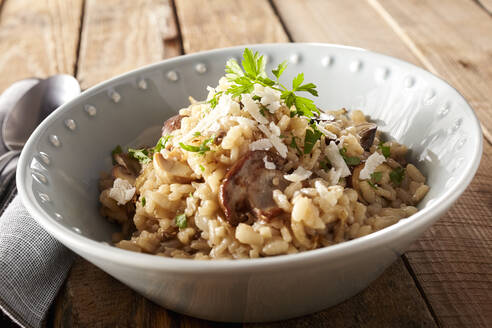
column 445, row 278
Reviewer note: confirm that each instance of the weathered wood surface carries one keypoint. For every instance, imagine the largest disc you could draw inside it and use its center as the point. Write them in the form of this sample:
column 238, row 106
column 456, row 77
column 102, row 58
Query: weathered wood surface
column 120, row 35
column 38, row 38
column 451, row 264
column 209, row 24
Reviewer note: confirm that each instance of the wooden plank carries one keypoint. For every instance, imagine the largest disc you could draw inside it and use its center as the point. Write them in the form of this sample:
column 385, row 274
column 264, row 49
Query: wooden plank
column 120, row 35
column 453, row 260
column 453, row 41
column 348, row 22
column 38, row 38
column 391, row 301
column 486, row 4
column 210, row 24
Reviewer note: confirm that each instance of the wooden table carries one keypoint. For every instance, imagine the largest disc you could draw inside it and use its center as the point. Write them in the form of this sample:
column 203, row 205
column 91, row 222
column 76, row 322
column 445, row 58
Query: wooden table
column 445, row 278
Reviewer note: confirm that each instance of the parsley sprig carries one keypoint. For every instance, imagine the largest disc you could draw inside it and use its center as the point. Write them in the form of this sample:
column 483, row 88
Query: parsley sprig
column 350, row 160
column 253, row 72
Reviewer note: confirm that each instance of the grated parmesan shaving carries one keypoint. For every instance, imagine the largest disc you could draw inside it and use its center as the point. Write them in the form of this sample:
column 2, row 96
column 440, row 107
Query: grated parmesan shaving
column 261, row 144
column 270, row 98
column 253, row 109
column 327, row 133
column 337, row 161
column 269, row 165
column 372, row 162
column 122, row 191
column 275, row 140
column 274, row 128
column 298, row 175
column 243, row 120
column 225, row 105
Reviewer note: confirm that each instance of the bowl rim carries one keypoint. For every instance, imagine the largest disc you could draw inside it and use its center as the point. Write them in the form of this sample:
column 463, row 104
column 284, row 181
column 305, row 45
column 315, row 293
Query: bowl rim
column 106, row 252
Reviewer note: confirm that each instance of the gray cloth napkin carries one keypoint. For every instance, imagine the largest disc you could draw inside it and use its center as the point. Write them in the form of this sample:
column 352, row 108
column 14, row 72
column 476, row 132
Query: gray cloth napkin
column 33, row 266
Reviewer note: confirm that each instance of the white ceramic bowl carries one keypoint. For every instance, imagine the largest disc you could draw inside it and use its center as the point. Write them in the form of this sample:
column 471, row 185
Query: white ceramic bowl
column 60, row 165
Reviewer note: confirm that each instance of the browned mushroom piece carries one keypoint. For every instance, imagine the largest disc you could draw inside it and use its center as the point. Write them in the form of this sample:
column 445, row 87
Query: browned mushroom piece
column 248, row 188
column 131, row 164
column 367, row 133
column 122, row 172
column 172, row 123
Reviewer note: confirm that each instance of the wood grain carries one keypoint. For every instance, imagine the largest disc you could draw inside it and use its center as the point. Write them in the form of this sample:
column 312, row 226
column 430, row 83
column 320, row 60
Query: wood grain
column 38, row 38
column 120, row 35
column 209, row 24
column 348, row 22
column 452, row 40
column 453, row 260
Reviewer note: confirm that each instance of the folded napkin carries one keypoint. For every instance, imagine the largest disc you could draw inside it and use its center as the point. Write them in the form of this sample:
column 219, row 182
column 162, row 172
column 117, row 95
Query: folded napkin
column 33, row 266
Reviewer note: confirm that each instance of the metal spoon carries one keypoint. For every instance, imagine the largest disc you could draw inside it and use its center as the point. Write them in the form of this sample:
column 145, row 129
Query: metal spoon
column 30, row 110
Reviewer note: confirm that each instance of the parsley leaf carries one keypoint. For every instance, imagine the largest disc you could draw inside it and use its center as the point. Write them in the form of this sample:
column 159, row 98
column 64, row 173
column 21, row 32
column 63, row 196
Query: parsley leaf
column 215, row 99
column 372, row 184
column 141, row 155
column 143, row 201
column 293, row 144
column 397, row 175
column 280, row 69
column 161, row 144
column 202, row 149
column 197, row 134
column 350, row 160
column 312, row 136
column 385, row 150
column 376, row 176
column 202, row 168
column 325, row 164
column 180, row 221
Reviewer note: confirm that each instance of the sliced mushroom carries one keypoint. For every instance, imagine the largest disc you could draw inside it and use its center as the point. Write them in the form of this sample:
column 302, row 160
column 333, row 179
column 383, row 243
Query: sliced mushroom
column 248, row 188
column 121, row 172
column 367, row 133
column 172, row 123
column 132, row 165
column 182, row 172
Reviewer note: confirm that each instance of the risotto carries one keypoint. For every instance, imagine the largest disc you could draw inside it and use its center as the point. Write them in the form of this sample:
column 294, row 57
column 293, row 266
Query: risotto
column 258, row 170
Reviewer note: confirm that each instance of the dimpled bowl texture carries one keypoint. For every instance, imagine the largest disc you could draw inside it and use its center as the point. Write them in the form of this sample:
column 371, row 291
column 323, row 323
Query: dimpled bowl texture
column 60, row 166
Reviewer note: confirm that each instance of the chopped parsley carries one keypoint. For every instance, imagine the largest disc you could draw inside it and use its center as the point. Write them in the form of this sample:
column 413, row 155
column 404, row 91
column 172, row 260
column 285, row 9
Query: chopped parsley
column 202, row 168
column 215, row 99
column 191, row 195
column 180, row 221
column 385, row 150
column 397, row 175
column 115, row 151
column 373, row 185
column 141, row 155
column 143, row 201
column 312, row 136
column 350, row 160
column 161, row 144
column 202, row 149
column 325, row 164
column 293, row 144
column 197, row 134
column 376, row 176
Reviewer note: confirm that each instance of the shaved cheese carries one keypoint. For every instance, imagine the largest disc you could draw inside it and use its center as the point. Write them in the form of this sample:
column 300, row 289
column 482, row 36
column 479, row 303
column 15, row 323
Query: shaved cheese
column 270, row 98
column 326, row 117
column 334, row 176
column 261, row 144
column 298, row 175
column 122, row 191
column 328, row 134
column 275, row 140
column 274, row 128
column 225, row 105
column 269, row 165
column 243, row 120
column 252, row 108
column 336, row 160
column 372, row 162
